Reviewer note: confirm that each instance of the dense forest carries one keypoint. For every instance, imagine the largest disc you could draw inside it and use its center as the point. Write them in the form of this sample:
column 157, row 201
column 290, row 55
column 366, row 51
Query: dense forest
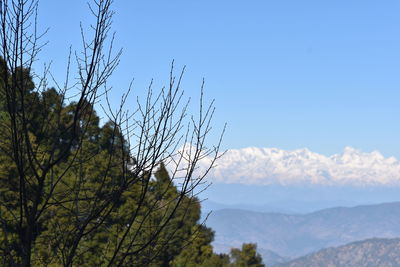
column 77, row 189
column 184, row 241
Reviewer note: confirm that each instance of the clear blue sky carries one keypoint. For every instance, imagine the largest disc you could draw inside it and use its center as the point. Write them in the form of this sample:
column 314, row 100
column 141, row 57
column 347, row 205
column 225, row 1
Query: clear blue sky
column 286, row 74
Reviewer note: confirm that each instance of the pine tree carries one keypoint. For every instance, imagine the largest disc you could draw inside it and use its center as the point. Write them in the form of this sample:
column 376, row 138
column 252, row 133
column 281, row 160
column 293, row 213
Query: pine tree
column 74, row 192
column 199, row 252
column 246, row 256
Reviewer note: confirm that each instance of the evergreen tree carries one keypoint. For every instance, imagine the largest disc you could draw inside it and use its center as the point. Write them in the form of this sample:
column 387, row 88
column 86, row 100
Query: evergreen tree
column 74, row 192
column 247, row 256
column 199, row 251
column 165, row 219
column 97, row 166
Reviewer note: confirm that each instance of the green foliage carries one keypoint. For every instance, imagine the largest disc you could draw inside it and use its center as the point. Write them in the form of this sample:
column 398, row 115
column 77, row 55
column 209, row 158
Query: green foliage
column 84, row 202
column 247, row 256
column 199, row 251
column 164, row 197
column 165, row 219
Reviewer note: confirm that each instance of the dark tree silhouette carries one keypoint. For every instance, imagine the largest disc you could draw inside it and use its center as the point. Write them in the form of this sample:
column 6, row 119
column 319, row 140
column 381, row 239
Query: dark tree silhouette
column 76, row 193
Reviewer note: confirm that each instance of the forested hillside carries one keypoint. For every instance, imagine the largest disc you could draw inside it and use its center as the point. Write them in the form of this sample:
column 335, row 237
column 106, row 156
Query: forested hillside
column 372, row 252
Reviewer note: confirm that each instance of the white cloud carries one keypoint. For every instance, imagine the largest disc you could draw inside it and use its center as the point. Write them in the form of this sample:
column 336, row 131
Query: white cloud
column 275, row 166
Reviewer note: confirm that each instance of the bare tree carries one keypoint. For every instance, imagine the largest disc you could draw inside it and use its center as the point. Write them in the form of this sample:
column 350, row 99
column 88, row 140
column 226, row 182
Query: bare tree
column 60, row 191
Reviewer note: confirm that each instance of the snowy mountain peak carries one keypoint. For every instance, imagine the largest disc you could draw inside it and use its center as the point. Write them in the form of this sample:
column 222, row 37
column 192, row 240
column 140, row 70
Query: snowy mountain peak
column 254, row 165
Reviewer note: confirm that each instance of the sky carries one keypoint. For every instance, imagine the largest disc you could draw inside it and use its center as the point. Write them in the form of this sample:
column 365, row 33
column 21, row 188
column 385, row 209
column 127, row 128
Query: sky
column 288, row 74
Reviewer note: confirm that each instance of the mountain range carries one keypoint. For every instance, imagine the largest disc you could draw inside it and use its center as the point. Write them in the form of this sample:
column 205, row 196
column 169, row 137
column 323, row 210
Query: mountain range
column 375, row 252
column 293, row 199
column 295, row 235
column 265, row 166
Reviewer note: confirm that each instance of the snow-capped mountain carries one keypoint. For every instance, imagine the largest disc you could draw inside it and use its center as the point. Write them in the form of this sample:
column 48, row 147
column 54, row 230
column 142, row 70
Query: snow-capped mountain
column 275, row 166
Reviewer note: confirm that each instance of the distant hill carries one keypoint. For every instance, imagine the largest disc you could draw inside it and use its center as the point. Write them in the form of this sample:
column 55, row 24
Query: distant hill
column 371, row 252
column 297, row 235
column 293, row 199
column 271, row 258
